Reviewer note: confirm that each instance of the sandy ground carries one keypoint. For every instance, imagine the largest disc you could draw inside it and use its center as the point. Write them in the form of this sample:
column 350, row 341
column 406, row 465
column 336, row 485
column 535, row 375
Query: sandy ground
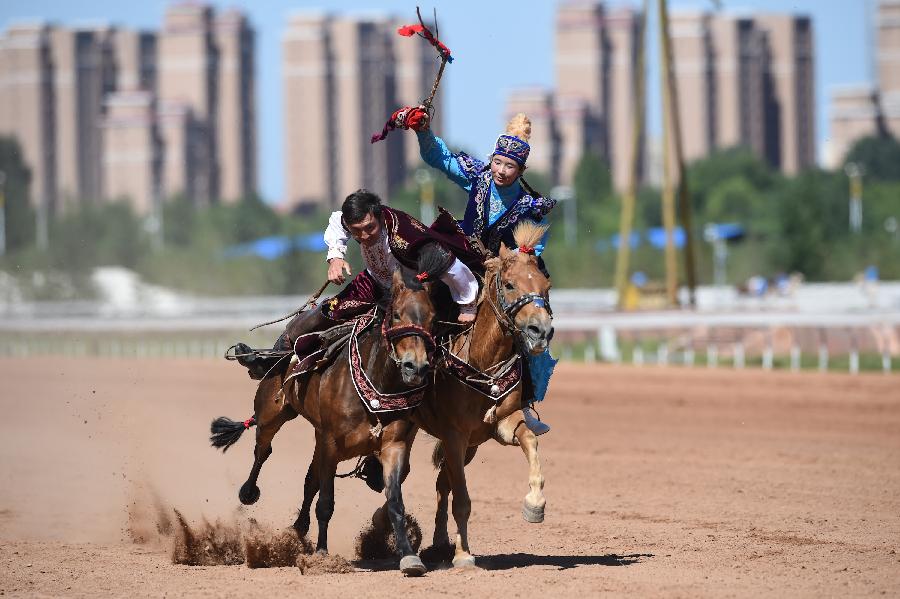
column 660, row 482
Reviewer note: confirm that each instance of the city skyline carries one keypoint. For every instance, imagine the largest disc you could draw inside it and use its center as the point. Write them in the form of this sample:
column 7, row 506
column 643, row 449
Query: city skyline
column 473, row 120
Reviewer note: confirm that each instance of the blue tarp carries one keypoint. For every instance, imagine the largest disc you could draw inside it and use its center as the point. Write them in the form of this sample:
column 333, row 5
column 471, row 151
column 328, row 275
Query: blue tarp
column 272, row 248
column 657, row 237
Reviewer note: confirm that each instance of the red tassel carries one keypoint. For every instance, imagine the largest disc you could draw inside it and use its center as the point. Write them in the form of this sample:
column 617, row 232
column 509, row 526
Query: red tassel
column 409, row 30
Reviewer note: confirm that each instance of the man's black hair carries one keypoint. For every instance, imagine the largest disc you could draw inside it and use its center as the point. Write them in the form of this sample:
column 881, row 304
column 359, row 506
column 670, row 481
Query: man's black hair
column 358, row 205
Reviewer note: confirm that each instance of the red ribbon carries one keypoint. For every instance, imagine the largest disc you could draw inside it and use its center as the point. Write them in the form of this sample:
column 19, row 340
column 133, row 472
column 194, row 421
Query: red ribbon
column 249, row 422
column 422, row 276
column 524, row 249
column 410, row 30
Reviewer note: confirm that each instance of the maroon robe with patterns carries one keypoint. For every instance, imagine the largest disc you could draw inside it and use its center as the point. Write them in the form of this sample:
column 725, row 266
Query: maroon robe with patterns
column 405, row 237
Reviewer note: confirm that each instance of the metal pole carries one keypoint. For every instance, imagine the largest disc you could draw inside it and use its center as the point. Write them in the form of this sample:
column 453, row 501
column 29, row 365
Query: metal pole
column 684, row 204
column 854, row 172
column 43, row 237
column 668, row 193
column 637, row 126
column 2, row 213
column 426, row 195
column 564, row 194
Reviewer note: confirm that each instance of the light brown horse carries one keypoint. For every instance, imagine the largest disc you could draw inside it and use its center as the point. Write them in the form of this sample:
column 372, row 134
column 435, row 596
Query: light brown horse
column 514, row 314
column 344, row 429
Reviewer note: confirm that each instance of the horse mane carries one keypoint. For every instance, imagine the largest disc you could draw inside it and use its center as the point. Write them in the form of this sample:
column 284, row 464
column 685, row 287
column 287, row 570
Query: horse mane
column 529, row 234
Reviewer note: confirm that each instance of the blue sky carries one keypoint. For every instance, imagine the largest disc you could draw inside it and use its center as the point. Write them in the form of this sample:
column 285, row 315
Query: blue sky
column 497, row 45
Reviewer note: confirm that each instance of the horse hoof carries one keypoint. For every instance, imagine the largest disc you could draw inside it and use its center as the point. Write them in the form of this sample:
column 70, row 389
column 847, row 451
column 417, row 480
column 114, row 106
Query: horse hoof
column 411, row 565
column 249, row 495
column 533, row 514
column 467, row 561
column 302, row 527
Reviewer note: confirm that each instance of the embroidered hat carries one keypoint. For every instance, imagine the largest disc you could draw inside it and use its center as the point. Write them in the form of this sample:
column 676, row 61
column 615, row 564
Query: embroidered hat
column 514, row 143
column 512, row 147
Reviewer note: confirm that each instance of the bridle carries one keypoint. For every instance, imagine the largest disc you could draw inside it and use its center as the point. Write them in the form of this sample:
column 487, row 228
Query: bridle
column 507, row 311
column 393, row 334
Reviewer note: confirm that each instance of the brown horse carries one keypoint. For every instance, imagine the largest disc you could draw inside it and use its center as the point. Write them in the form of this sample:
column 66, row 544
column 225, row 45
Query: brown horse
column 514, row 315
column 344, row 429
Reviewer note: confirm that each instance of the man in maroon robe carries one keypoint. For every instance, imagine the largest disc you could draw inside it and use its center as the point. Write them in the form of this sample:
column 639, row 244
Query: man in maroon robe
column 389, row 239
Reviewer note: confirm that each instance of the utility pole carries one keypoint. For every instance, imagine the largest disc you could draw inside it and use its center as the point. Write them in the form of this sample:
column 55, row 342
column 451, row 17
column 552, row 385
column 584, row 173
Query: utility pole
column 684, row 204
column 426, row 195
column 566, row 196
column 637, row 125
column 2, row 213
column 43, row 236
column 668, row 191
column 855, row 173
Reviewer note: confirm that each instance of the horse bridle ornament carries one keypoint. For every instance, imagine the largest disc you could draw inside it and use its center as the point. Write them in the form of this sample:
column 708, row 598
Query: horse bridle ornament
column 393, row 334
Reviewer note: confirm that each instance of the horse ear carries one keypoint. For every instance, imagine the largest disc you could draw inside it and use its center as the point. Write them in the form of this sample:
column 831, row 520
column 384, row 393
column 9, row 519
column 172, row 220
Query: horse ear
column 505, row 252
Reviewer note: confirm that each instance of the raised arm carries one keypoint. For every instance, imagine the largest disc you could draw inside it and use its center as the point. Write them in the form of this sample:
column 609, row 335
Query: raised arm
column 436, row 154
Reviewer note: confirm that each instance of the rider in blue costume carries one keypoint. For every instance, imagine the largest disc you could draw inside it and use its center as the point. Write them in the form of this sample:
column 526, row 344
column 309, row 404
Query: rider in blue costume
column 498, row 200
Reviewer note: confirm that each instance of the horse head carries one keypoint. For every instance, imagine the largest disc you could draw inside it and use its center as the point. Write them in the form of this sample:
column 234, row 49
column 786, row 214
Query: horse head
column 523, row 291
column 408, row 323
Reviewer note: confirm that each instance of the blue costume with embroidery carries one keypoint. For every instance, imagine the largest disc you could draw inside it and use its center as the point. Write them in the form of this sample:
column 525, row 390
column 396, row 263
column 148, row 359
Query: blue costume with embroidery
column 492, row 214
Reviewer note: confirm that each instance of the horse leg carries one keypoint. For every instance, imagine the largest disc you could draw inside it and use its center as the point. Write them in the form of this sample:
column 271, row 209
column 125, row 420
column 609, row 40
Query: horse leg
column 533, row 507
column 310, row 489
column 270, row 416
column 395, row 465
column 327, row 463
column 461, row 506
column 441, row 536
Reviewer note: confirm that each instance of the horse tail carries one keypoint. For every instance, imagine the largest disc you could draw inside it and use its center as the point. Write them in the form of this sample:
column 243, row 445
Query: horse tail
column 225, row 432
column 437, row 456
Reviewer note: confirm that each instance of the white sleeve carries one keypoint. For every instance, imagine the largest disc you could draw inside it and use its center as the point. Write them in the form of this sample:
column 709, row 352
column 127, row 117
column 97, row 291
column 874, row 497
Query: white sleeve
column 462, row 283
column 336, row 237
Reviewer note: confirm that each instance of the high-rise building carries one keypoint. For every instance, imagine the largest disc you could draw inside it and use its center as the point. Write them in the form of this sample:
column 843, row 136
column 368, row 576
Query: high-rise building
column 188, row 98
column 83, row 75
column 888, row 61
column 596, row 71
column 58, row 82
column 537, row 103
column 343, row 77
column 693, row 66
column 624, row 27
column 582, row 83
column 27, row 111
column 132, row 150
column 790, row 71
column 854, row 115
column 134, row 59
column 746, row 81
column 308, row 87
column 236, row 128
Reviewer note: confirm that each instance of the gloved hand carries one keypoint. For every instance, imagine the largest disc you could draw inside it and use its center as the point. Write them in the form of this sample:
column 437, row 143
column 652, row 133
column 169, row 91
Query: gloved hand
column 410, row 117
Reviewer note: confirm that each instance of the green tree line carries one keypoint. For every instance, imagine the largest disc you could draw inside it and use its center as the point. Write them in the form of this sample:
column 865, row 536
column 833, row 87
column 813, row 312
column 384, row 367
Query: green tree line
column 793, row 224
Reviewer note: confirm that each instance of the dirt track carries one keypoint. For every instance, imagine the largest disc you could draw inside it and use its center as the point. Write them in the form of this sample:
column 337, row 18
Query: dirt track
column 662, row 482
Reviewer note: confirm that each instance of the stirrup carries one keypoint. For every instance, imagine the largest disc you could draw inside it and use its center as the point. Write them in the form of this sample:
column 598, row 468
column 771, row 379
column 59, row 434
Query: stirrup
column 533, row 424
